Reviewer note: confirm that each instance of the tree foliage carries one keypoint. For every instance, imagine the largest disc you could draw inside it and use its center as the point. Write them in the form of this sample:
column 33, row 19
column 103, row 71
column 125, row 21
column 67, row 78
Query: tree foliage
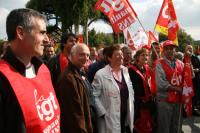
column 95, row 39
column 2, row 41
column 70, row 12
column 183, row 39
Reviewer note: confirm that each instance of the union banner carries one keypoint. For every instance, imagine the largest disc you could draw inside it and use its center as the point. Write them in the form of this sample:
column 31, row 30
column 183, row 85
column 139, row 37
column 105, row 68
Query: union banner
column 119, row 12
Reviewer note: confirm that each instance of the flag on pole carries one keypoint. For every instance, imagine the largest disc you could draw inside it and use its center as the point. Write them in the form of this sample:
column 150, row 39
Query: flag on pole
column 167, row 21
column 173, row 25
column 130, row 41
column 119, row 12
column 188, row 91
column 162, row 20
column 138, row 39
column 152, row 39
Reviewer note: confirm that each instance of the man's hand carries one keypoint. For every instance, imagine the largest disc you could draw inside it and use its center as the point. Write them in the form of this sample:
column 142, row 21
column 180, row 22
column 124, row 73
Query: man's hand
column 177, row 89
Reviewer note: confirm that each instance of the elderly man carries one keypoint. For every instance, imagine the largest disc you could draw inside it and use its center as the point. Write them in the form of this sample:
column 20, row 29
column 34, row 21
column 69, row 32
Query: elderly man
column 73, row 94
column 169, row 73
column 27, row 100
column 196, row 79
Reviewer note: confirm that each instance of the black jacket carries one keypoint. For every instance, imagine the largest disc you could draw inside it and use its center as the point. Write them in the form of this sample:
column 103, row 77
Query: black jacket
column 11, row 117
column 93, row 68
column 54, row 68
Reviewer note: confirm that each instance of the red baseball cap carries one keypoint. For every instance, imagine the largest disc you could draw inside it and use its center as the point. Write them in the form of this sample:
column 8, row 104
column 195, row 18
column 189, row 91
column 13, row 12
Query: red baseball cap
column 168, row 43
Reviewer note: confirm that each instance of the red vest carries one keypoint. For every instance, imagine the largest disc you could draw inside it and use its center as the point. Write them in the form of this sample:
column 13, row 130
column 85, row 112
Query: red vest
column 145, row 79
column 174, row 76
column 37, row 99
column 144, row 123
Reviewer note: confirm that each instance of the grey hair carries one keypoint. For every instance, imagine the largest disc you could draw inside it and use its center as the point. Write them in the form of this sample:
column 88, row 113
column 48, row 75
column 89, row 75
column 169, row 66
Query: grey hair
column 21, row 17
column 75, row 48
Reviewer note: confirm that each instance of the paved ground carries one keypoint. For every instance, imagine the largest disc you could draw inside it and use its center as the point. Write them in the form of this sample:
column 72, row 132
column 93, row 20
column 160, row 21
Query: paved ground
column 191, row 125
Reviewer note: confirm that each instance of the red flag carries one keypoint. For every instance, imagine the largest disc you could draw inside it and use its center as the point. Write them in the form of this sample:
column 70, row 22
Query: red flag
column 152, row 39
column 162, row 20
column 188, row 91
column 173, row 26
column 167, row 21
column 130, row 41
column 139, row 38
column 119, row 12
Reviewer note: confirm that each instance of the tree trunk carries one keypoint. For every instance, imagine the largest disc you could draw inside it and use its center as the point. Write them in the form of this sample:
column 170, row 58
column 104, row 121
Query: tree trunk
column 118, row 38
column 76, row 29
column 85, row 31
column 115, row 36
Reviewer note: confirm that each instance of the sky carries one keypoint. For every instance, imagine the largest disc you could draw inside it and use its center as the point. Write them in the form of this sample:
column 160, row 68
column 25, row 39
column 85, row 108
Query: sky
column 187, row 12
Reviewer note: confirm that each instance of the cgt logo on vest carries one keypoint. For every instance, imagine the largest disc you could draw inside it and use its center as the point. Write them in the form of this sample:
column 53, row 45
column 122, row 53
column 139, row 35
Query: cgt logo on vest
column 45, row 107
column 176, row 79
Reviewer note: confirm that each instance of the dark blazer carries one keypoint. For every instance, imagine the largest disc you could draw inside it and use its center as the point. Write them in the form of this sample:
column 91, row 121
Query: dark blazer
column 54, row 68
column 73, row 100
column 93, row 68
column 196, row 81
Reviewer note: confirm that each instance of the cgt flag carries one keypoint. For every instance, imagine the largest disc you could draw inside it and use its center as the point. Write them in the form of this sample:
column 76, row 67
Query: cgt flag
column 167, row 21
column 137, row 39
column 152, row 39
column 130, row 40
column 119, row 12
column 188, row 91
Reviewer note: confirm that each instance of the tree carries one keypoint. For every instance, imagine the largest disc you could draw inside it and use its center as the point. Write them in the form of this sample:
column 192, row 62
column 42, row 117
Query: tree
column 45, row 7
column 1, row 41
column 183, row 39
column 95, row 39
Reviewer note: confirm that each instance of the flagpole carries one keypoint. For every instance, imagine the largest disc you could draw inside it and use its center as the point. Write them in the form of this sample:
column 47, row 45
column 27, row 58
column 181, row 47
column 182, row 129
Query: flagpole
column 154, row 30
column 137, row 18
column 141, row 26
column 147, row 37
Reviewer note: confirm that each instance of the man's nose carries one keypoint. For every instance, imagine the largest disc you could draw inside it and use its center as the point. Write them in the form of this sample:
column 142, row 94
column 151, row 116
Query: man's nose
column 46, row 39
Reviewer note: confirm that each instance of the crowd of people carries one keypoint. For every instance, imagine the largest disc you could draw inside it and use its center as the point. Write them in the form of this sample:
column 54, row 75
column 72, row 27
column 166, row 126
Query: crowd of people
column 85, row 90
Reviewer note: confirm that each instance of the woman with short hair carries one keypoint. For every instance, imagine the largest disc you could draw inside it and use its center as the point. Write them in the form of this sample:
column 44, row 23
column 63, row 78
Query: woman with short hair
column 114, row 95
column 139, row 73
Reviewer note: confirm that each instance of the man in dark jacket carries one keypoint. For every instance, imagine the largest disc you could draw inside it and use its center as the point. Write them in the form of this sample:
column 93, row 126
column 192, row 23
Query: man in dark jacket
column 93, row 68
column 73, row 95
column 58, row 63
column 49, row 53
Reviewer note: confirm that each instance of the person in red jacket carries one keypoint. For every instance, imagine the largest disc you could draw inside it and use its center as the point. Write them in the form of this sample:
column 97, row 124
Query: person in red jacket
column 28, row 103
column 58, row 63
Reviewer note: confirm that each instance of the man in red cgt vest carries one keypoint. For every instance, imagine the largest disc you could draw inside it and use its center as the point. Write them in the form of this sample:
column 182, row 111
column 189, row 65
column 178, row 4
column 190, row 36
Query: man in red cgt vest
column 27, row 99
column 169, row 73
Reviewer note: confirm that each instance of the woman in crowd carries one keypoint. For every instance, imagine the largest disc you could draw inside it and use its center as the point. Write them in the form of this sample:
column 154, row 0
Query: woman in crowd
column 114, row 95
column 140, row 77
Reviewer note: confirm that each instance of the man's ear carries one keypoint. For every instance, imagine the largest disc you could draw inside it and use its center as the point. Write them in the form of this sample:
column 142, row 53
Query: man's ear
column 19, row 32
